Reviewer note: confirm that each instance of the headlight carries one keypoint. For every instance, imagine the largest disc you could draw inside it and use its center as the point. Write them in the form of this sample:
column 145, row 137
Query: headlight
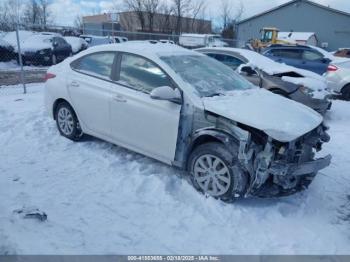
column 306, row 90
column 45, row 51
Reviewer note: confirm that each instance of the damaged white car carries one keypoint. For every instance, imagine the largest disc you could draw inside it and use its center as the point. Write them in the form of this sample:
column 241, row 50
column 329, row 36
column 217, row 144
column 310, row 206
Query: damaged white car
column 190, row 111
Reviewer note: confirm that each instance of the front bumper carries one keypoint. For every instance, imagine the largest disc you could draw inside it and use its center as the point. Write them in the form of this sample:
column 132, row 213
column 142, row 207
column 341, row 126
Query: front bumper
column 294, row 169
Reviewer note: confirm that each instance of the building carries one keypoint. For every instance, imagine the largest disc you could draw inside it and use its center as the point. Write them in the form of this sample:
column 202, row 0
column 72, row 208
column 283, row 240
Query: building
column 303, row 38
column 104, row 24
column 331, row 26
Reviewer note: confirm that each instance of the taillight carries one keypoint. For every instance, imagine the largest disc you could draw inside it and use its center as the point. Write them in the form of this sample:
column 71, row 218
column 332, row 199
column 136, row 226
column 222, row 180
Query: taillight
column 49, row 76
column 332, row 68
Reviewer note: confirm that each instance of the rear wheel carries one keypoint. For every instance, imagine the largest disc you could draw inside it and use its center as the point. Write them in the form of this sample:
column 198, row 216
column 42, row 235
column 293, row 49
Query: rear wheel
column 346, row 92
column 215, row 171
column 67, row 122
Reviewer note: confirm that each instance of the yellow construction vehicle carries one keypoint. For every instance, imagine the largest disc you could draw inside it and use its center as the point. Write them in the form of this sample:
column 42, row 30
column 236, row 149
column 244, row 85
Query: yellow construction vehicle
column 269, row 36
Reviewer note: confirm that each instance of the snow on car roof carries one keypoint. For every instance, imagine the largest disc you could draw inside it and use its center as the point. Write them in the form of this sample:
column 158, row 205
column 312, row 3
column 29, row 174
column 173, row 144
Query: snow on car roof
column 144, row 48
column 11, row 37
column 4, row 43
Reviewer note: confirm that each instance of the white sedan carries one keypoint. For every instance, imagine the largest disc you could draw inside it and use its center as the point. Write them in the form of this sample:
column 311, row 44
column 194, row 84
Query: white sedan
column 190, row 111
column 338, row 78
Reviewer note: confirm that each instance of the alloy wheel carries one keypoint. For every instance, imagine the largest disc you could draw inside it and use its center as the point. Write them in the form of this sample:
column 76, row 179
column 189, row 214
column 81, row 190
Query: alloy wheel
column 212, row 175
column 65, row 121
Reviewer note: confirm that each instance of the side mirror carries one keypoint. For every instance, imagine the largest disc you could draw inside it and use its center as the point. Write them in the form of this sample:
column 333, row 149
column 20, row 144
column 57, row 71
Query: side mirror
column 166, row 93
column 247, row 70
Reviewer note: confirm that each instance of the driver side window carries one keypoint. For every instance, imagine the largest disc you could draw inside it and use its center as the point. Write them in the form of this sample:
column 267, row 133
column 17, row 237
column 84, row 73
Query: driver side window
column 141, row 74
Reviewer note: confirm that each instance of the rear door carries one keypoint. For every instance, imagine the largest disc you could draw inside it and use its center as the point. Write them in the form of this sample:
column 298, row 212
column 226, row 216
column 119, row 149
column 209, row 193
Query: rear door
column 138, row 122
column 89, row 87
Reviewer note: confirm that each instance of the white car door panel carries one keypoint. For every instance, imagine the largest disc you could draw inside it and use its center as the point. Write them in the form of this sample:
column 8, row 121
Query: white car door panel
column 144, row 124
column 91, row 97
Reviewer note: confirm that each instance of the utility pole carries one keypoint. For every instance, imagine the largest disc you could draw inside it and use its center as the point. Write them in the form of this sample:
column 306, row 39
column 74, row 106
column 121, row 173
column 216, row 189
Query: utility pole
column 19, row 51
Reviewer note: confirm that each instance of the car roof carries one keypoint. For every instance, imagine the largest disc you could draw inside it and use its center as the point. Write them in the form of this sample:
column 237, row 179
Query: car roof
column 278, row 46
column 144, row 48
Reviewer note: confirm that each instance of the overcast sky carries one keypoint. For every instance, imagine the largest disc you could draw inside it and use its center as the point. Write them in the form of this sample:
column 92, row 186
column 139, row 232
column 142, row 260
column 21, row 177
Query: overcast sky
column 64, row 11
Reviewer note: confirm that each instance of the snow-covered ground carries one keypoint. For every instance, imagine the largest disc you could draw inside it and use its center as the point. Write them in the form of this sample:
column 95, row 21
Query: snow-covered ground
column 102, row 199
column 13, row 66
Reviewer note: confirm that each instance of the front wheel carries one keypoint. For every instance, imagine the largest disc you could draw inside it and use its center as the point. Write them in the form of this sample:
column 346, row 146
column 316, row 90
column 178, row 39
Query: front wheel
column 67, row 122
column 215, row 171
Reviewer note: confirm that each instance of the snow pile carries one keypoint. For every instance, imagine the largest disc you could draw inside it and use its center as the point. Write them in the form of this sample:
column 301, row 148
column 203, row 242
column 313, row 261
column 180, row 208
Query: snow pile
column 76, row 43
column 14, row 66
column 102, row 199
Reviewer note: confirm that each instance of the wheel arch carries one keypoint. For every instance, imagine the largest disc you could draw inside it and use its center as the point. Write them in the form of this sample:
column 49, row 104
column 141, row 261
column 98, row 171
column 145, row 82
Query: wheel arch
column 56, row 103
column 211, row 135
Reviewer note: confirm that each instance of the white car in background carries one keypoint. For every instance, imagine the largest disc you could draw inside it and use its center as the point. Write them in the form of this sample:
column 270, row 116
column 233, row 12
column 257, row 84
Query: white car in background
column 338, row 78
column 94, row 40
column 78, row 44
column 189, row 111
column 119, row 39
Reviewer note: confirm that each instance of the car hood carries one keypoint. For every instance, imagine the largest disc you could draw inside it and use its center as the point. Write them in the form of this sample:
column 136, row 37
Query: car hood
column 280, row 118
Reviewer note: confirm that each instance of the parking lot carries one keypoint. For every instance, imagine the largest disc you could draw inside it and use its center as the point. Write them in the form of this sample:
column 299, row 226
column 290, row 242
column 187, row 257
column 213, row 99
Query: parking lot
column 100, row 198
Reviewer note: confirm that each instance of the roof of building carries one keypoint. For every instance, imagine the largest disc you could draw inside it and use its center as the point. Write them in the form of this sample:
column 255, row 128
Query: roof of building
column 293, row 2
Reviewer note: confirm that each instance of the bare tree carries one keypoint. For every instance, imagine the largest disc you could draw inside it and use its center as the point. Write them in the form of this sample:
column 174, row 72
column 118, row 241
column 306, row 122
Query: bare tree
column 78, row 22
column 45, row 14
column 181, row 9
column 151, row 9
column 138, row 7
column 230, row 14
column 164, row 22
column 197, row 9
column 32, row 13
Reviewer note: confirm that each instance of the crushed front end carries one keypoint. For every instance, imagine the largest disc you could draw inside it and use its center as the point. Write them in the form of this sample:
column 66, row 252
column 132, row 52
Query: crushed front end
column 280, row 169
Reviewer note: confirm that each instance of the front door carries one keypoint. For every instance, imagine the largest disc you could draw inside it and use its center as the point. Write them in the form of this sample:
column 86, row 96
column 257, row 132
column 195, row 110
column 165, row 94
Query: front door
column 139, row 122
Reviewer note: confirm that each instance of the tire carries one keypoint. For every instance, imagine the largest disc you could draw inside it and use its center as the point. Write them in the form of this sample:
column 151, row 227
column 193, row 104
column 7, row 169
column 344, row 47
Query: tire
column 346, row 92
column 225, row 180
column 67, row 122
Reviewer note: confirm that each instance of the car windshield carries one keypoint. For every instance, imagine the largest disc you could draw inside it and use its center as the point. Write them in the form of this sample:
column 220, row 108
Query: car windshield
column 206, row 75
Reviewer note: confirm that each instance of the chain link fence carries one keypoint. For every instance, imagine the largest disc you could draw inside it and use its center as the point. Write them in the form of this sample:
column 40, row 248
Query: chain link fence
column 27, row 52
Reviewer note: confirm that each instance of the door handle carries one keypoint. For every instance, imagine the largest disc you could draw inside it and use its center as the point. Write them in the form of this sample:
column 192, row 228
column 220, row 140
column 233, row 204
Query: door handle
column 119, row 98
column 74, row 84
